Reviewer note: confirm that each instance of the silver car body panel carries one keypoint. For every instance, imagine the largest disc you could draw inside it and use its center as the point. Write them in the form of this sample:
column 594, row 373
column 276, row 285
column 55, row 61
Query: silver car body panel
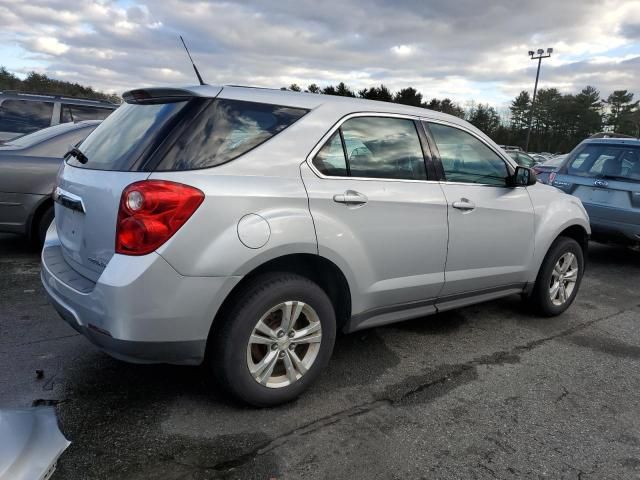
column 405, row 253
column 30, row 443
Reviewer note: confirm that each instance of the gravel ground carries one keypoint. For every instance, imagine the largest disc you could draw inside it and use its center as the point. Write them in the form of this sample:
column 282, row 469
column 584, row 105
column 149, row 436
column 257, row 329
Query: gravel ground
column 488, row 391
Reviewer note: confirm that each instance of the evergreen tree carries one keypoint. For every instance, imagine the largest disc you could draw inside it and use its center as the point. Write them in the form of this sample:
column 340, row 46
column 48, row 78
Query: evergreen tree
column 621, row 111
column 380, row 93
column 445, row 105
column 408, row 96
column 485, row 117
column 40, row 83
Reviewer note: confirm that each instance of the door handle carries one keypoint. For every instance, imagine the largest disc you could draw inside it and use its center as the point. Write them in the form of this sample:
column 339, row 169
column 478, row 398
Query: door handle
column 350, row 197
column 464, row 204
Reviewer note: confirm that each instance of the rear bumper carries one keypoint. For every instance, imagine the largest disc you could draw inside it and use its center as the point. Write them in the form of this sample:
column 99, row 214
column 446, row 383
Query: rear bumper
column 140, row 309
column 613, row 224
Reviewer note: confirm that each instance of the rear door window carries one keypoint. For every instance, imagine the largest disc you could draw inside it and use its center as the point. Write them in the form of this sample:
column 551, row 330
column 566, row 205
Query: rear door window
column 24, row 116
column 224, row 131
column 380, row 147
column 78, row 113
column 330, row 160
column 373, row 147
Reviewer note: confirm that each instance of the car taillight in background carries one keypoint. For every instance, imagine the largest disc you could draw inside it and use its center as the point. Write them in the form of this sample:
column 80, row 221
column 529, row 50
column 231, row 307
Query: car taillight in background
column 150, row 212
column 552, row 177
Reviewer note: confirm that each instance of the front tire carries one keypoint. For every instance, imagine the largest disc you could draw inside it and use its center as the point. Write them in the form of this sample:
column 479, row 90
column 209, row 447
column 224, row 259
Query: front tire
column 275, row 340
column 559, row 277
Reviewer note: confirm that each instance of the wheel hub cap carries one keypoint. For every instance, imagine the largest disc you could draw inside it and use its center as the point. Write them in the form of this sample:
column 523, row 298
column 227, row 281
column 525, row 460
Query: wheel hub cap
column 284, row 344
column 563, row 279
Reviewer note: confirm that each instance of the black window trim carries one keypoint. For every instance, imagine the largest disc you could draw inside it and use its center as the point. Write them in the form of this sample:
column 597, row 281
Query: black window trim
column 338, row 127
column 438, row 160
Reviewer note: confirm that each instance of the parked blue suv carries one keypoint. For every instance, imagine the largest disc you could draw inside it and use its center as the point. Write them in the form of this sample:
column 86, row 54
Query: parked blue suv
column 605, row 174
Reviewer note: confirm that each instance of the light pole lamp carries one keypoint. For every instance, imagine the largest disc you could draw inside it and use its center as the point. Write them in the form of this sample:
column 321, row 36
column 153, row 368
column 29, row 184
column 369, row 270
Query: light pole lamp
column 537, row 55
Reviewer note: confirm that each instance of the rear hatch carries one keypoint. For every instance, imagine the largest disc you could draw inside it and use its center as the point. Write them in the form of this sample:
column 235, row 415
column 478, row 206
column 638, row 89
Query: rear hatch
column 88, row 192
column 606, row 177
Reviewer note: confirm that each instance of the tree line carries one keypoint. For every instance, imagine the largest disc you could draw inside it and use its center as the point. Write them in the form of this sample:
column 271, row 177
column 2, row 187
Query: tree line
column 40, row 83
column 559, row 121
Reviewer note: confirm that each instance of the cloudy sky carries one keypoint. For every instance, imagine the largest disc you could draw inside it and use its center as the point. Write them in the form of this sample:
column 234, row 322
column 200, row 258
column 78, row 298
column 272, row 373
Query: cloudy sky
column 463, row 49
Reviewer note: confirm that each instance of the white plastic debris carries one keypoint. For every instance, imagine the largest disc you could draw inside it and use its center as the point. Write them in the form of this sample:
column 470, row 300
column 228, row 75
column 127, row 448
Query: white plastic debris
column 30, row 443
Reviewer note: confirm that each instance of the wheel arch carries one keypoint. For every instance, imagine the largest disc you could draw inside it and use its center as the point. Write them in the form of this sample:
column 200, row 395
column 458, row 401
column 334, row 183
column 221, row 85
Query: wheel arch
column 312, row 266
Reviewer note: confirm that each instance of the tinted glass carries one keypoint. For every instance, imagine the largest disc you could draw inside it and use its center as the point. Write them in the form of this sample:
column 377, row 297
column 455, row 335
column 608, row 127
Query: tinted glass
column 226, row 130
column 122, row 138
column 381, row 147
column 467, row 159
column 24, row 116
column 330, row 159
column 78, row 113
column 617, row 162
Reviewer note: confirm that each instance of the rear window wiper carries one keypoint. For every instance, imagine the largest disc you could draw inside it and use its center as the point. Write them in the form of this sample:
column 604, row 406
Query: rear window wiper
column 75, row 152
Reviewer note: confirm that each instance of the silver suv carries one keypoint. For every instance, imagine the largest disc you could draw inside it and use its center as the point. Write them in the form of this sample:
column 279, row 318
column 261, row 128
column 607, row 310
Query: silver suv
column 243, row 227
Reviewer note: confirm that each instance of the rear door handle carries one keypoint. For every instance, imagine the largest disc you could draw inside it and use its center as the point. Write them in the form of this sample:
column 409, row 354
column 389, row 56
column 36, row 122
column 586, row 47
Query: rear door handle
column 350, row 197
column 464, row 204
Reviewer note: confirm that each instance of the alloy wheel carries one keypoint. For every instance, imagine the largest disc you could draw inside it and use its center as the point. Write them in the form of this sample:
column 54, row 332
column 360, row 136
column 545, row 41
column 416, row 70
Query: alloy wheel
column 563, row 279
column 284, row 344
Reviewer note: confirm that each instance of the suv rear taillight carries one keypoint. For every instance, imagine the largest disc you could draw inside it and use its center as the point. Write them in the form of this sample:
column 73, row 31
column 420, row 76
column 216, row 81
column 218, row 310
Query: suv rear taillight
column 150, row 212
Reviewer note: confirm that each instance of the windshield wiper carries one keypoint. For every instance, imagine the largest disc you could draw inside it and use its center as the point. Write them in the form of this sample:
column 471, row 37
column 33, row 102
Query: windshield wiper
column 75, row 152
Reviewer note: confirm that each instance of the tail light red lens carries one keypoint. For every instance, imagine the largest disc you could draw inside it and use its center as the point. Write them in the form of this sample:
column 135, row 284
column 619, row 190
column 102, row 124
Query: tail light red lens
column 150, row 213
column 552, row 177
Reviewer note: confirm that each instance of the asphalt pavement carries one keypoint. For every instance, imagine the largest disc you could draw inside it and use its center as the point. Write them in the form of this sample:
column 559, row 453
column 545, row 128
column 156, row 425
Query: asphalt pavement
column 489, row 391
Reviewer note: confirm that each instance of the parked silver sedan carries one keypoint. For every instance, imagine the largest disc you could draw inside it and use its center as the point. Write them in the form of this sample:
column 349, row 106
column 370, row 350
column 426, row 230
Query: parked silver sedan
column 28, row 167
column 243, row 227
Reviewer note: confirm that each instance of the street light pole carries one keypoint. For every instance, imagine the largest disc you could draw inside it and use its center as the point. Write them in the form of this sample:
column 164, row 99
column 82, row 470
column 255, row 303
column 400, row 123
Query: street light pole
column 539, row 55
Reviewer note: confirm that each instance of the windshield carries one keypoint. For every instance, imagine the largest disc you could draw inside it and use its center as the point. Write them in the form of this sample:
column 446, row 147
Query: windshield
column 124, row 135
column 607, row 161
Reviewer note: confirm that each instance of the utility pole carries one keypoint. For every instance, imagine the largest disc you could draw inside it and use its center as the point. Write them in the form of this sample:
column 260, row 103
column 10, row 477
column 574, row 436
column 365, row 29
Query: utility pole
column 539, row 55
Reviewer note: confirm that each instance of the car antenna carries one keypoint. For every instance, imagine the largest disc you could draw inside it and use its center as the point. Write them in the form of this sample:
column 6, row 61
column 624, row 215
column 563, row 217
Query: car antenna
column 192, row 63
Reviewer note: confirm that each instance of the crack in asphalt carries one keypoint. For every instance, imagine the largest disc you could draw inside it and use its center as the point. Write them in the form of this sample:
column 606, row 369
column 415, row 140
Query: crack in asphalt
column 455, row 371
column 33, row 342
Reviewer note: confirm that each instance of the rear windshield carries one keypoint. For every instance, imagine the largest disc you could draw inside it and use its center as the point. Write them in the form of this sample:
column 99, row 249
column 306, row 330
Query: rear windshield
column 225, row 130
column 618, row 162
column 125, row 135
column 219, row 131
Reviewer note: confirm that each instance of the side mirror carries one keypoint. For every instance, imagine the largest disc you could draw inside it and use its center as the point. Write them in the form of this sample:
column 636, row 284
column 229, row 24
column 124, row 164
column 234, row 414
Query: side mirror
column 523, row 177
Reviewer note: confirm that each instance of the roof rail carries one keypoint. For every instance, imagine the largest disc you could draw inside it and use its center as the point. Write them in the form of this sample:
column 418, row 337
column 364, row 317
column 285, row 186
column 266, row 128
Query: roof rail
column 610, row 135
column 55, row 95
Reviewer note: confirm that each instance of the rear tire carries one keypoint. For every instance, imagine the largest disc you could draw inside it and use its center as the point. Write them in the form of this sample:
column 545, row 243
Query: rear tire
column 274, row 341
column 559, row 278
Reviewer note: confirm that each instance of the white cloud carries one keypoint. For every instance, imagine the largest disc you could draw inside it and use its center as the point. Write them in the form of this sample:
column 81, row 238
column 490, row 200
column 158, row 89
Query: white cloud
column 49, row 45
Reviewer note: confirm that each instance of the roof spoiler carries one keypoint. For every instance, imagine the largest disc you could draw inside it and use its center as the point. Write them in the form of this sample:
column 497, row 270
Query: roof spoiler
column 147, row 96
